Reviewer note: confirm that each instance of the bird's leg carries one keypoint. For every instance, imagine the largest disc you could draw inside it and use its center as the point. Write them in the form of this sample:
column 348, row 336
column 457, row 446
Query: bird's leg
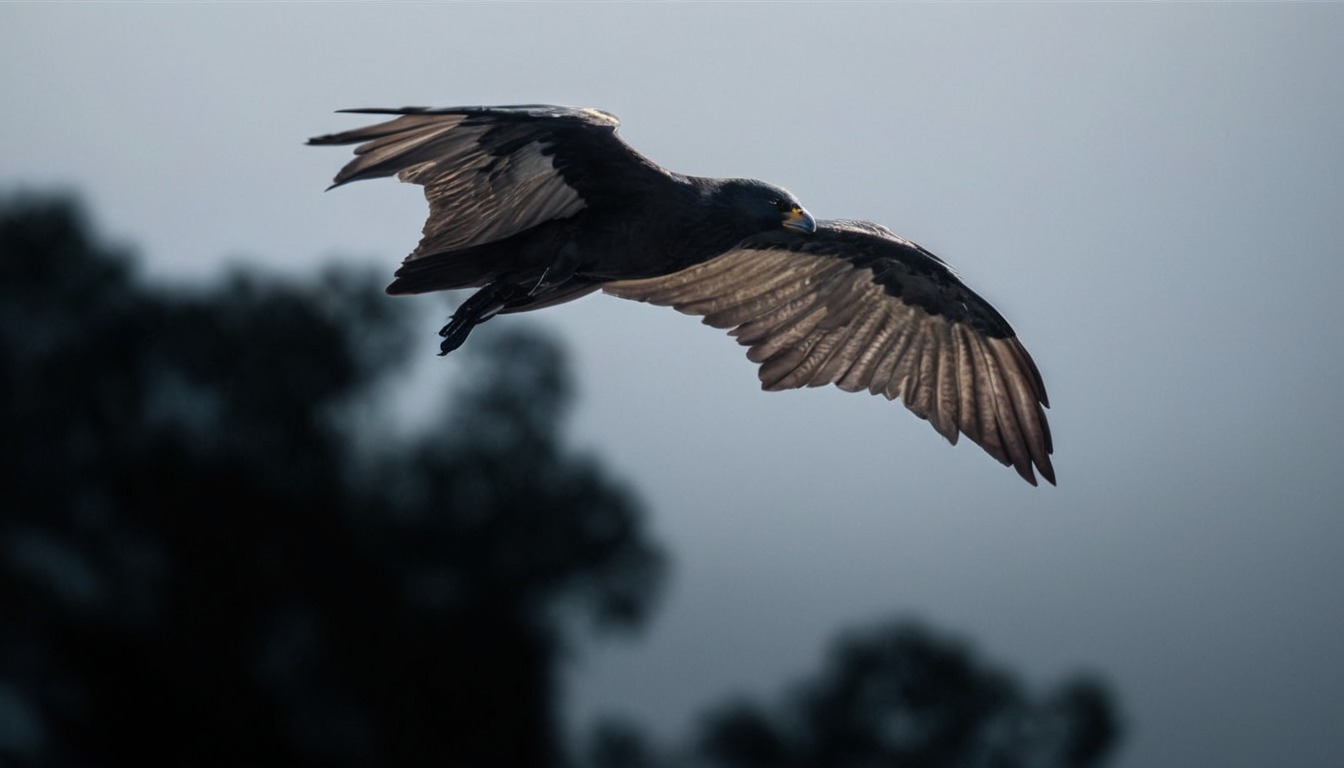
column 483, row 305
column 560, row 271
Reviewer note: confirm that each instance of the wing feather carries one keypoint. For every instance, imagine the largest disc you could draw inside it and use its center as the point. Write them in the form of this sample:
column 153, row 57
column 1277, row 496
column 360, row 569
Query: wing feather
column 994, row 434
column 894, row 354
column 968, row 408
column 857, row 352
column 490, row 172
column 947, row 386
column 918, row 390
column 765, row 293
column 791, row 338
column 855, row 306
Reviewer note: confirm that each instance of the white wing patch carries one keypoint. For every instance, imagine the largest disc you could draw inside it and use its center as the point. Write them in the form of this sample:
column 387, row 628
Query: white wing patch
column 600, row 116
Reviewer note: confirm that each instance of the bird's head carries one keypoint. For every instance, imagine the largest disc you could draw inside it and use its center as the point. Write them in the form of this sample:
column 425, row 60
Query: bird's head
column 768, row 205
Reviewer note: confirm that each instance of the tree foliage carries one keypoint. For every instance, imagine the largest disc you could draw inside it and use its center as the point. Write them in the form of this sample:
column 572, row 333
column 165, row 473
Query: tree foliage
column 198, row 570
column 898, row 695
column 208, row 558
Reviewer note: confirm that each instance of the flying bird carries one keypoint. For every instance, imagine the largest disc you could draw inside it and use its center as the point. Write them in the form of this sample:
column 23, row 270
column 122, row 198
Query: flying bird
column 539, row 205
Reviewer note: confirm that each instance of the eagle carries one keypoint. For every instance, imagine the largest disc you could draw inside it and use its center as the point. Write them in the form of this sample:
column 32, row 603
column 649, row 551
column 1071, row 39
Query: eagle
column 537, row 205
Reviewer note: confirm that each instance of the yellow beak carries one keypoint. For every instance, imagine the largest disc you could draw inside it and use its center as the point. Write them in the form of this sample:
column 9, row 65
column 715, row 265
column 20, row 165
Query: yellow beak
column 800, row 219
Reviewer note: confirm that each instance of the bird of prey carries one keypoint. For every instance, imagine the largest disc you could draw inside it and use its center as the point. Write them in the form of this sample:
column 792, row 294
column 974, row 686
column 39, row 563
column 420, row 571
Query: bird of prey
column 538, row 205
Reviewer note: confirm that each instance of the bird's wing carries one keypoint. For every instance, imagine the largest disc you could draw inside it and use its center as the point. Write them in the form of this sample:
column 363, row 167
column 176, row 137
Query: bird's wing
column 491, row 172
column 860, row 307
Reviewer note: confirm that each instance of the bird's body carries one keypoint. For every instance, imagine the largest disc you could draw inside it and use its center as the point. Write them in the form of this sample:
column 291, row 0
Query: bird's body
column 538, row 205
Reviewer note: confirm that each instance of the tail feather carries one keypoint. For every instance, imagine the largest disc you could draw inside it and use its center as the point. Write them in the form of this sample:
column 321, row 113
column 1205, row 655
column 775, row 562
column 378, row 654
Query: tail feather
column 477, row 267
column 471, row 267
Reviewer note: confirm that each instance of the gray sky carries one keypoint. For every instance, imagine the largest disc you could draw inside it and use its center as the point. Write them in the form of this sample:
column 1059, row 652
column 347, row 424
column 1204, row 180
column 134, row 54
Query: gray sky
column 1152, row 194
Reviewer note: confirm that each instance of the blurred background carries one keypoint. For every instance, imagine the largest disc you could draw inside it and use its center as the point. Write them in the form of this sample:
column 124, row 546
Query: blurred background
column 249, row 516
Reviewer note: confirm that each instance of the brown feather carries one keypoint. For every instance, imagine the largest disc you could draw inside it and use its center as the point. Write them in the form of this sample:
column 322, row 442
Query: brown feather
column 811, row 319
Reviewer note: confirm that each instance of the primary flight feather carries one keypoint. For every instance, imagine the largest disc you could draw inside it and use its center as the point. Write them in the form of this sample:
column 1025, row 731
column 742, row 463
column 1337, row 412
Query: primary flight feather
column 538, row 205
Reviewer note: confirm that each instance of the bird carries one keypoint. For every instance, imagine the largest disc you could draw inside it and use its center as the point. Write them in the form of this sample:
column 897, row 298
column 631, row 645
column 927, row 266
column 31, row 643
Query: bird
column 537, row 205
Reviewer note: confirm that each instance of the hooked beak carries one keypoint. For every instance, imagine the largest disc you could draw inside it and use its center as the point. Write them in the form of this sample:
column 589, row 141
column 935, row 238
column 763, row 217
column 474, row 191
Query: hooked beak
column 800, row 219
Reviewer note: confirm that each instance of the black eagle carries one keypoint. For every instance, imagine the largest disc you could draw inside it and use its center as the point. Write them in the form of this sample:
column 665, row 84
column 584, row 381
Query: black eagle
column 538, row 205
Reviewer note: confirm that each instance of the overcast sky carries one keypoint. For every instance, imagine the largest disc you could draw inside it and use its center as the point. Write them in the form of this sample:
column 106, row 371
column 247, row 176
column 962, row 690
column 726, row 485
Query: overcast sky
column 1153, row 195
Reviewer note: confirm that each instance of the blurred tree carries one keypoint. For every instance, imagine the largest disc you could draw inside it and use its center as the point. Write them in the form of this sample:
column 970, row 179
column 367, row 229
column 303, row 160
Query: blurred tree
column 206, row 560
column 900, row 696
column 196, row 567
column 616, row 743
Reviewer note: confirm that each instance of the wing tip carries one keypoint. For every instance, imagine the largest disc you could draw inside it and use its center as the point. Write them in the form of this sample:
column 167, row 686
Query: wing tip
column 382, row 110
column 1046, row 471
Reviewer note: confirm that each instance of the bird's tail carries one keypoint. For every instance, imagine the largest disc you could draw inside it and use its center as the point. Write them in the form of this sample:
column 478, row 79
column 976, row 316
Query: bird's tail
column 478, row 266
column 470, row 267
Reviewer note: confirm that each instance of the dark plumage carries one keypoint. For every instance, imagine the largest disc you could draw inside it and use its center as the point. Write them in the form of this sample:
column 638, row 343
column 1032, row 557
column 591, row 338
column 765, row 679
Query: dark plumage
column 538, row 205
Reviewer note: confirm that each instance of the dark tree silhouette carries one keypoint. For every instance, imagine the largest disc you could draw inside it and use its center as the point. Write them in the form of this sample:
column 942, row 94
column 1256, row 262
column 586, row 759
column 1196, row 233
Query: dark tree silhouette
column 900, row 696
column 206, row 559
column 198, row 570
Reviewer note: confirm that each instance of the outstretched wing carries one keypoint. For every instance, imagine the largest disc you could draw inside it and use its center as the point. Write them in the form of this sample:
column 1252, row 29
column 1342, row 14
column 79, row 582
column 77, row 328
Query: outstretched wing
column 491, row 172
column 855, row 305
